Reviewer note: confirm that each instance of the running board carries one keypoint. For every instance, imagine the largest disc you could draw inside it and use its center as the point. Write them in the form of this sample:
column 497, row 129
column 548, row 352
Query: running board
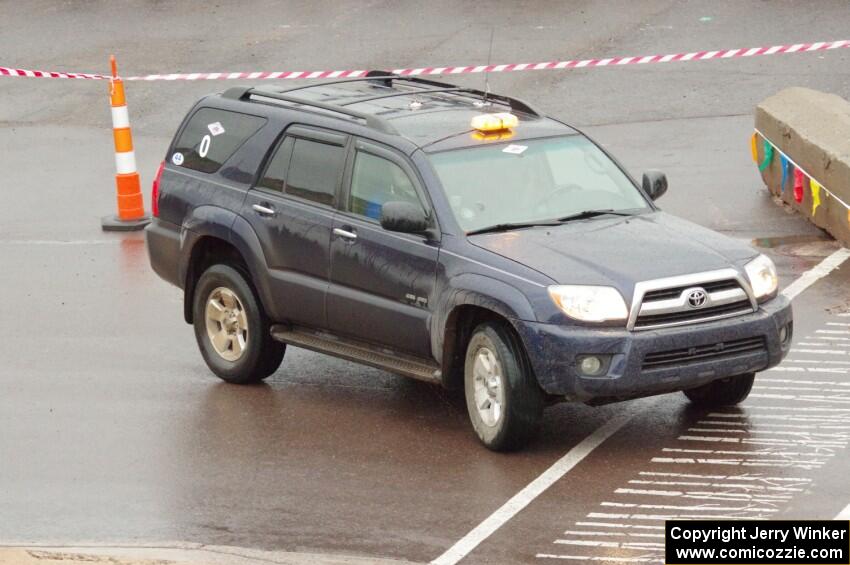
column 359, row 352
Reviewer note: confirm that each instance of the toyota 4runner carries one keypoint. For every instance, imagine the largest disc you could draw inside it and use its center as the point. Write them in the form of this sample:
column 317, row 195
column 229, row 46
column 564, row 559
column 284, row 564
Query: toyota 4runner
column 453, row 236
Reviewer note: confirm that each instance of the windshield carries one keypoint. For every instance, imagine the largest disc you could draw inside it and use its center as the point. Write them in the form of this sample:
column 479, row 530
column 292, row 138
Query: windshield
column 532, row 181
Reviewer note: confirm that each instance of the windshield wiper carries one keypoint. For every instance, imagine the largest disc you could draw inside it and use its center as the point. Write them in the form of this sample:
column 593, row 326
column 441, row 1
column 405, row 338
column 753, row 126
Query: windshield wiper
column 511, row 226
column 592, row 214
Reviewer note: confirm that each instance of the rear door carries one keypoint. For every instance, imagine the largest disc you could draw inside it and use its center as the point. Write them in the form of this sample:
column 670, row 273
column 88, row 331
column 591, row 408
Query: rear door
column 291, row 208
column 382, row 283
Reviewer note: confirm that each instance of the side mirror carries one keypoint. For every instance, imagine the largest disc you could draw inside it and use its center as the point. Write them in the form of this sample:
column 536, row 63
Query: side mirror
column 654, row 183
column 404, row 217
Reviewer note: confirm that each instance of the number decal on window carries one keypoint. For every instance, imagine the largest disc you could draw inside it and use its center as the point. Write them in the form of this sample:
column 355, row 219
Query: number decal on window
column 205, row 146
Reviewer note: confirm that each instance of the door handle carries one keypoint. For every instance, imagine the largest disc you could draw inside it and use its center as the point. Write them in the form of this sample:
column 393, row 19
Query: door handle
column 263, row 210
column 345, row 234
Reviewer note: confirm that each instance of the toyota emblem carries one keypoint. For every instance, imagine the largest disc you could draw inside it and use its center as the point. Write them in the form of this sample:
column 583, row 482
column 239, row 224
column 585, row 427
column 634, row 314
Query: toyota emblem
column 697, row 298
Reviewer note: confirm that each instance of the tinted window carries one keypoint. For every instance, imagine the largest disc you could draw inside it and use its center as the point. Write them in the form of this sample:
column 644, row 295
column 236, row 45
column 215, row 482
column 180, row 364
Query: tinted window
column 376, row 181
column 314, row 171
column 211, row 137
column 275, row 175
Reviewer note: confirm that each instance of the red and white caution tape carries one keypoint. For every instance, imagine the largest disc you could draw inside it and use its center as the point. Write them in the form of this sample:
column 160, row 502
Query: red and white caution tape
column 425, row 71
column 9, row 72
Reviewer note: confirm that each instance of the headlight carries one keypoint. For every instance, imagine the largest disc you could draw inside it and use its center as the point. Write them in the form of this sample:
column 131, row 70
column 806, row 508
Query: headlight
column 590, row 303
column 762, row 274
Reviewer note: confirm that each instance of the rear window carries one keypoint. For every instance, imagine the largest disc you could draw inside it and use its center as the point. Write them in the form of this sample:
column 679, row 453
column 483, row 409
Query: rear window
column 211, row 137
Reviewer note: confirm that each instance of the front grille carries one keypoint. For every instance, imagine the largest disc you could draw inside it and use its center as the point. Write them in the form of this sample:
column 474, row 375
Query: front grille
column 664, row 306
column 740, row 307
column 675, row 292
column 699, row 353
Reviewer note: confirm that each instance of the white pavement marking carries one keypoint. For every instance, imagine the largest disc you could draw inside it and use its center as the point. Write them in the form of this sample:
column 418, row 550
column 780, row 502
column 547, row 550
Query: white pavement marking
column 534, row 489
column 819, row 271
column 817, row 361
column 818, row 351
column 619, row 526
column 611, row 534
column 844, row 514
column 606, row 558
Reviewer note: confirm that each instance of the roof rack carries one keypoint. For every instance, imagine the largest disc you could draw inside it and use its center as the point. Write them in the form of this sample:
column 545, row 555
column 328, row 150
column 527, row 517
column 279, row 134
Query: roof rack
column 395, row 94
column 374, row 76
column 388, row 78
column 372, row 121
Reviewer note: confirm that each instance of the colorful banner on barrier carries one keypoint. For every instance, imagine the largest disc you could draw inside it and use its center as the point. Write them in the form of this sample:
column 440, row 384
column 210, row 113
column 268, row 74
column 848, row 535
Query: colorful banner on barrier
column 455, row 70
column 801, row 177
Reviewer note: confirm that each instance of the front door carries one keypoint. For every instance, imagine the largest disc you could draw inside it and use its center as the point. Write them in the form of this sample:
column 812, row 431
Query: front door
column 382, row 282
column 291, row 209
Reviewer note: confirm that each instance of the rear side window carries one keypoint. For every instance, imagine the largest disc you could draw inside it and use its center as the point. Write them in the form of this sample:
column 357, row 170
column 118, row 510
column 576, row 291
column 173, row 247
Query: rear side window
column 211, row 137
column 314, row 171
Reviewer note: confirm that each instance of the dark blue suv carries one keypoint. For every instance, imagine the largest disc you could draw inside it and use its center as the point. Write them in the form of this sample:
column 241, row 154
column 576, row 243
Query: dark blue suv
column 453, row 236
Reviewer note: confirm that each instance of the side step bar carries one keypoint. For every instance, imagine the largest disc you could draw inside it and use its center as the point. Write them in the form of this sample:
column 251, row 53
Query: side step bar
column 359, row 352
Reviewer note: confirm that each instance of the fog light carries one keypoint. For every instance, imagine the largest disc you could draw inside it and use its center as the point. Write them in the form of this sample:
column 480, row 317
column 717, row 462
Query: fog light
column 786, row 332
column 590, row 365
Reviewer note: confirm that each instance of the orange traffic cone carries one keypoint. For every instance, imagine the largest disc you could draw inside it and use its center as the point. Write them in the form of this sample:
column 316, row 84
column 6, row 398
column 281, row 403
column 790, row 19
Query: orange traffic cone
column 131, row 208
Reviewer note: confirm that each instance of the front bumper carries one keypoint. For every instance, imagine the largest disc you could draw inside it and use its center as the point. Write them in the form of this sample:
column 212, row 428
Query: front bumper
column 552, row 350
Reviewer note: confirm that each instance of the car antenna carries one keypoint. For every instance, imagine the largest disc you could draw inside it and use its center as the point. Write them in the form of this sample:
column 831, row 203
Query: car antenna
column 489, row 60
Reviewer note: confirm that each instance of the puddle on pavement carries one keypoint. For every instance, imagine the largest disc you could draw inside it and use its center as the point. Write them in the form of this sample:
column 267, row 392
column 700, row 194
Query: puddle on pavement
column 807, row 245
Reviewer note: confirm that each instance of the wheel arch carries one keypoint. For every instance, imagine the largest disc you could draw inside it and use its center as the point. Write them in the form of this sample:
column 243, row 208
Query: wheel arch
column 208, row 250
column 213, row 232
column 465, row 310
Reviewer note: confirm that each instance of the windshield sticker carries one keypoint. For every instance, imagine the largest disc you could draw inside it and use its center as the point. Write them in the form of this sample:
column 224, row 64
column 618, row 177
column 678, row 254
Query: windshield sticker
column 216, row 128
column 177, row 159
column 515, row 149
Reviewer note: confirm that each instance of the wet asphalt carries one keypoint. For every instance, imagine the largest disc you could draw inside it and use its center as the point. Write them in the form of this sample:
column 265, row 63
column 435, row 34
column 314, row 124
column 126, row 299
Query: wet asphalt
column 112, row 430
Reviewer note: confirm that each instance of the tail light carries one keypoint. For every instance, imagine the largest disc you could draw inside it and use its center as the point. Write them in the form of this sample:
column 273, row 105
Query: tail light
column 155, row 191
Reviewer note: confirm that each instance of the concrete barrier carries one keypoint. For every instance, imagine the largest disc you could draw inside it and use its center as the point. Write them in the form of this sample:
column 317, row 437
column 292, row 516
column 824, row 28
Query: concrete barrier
column 813, row 130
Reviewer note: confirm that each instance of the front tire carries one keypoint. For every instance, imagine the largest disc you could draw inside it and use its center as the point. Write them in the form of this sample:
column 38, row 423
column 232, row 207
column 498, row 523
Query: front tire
column 722, row 392
column 504, row 401
column 232, row 329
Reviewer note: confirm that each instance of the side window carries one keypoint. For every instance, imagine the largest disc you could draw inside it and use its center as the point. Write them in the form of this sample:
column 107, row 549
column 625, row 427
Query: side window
column 314, row 171
column 274, row 176
column 211, row 137
column 375, row 181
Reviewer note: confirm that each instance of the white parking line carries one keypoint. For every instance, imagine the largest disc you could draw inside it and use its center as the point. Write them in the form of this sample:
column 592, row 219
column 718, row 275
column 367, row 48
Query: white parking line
column 618, row 525
column 523, row 498
column 611, row 544
column 536, row 487
column 747, row 477
column 606, row 558
column 816, row 361
column 665, row 517
column 819, row 271
column 844, row 514
column 611, row 534
column 818, row 351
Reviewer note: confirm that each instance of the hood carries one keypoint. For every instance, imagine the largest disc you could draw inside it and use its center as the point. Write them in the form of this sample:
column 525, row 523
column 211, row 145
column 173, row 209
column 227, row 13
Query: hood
column 618, row 251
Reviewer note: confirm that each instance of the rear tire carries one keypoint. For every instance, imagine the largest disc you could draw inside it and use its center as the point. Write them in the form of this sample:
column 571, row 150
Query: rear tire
column 722, row 392
column 504, row 401
column 232, row 329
